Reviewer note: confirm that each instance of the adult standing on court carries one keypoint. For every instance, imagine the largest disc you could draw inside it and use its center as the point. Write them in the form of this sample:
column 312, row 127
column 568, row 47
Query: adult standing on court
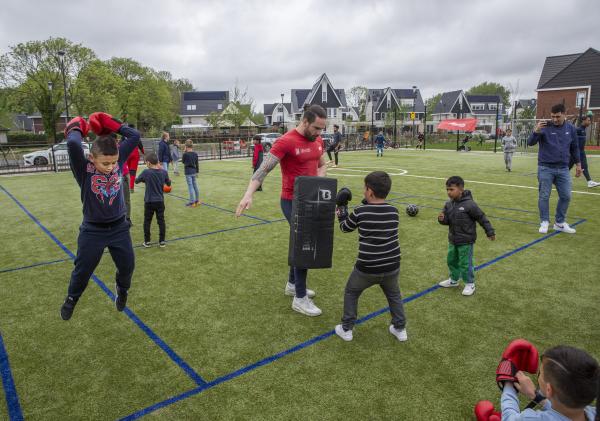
column 509, row 146
column 164, row 152
column 300, row 153
column 557, row 146
column 581, row 139
column 335, row 146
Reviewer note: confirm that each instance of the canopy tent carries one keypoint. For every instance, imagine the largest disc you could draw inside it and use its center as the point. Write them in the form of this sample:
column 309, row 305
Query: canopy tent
column 460, row 124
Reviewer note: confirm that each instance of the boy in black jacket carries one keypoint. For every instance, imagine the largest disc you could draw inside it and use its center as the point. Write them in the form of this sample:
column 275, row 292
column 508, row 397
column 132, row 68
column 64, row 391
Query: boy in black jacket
column 154, row 201
column 104, row 213
column 460, row 214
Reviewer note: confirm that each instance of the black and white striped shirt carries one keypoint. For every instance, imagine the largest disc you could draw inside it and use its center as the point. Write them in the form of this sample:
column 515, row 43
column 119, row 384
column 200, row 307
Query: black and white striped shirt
column 378, row 246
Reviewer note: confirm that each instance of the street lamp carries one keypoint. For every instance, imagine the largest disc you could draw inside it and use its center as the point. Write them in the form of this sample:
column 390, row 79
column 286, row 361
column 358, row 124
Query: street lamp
column 282, row 117
column 61, row 55
column 459, row 115
column 414, row 88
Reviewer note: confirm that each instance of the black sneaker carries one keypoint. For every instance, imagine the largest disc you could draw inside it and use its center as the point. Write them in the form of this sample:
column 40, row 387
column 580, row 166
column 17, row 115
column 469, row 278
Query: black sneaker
column 120, row 299
column 66, row 311
column 146, row 244
column 162, row 244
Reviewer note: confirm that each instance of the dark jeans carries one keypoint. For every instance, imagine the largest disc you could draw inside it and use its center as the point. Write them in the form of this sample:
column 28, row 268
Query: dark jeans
column 149, row 209
column 584, row 165
column 335, row 153
column 359, row 281
column 92, row 241
column 297, row 276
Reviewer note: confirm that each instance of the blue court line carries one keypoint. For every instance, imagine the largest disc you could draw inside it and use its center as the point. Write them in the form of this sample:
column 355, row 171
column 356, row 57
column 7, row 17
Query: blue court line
column 316, row 339
column 10, row 391
column 51, row 262
column 155, row 338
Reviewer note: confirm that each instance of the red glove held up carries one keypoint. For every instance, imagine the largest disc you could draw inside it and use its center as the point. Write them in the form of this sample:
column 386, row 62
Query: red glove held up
column 102, row 123
column 484, row 411
column 77, row 123
column 519, row 355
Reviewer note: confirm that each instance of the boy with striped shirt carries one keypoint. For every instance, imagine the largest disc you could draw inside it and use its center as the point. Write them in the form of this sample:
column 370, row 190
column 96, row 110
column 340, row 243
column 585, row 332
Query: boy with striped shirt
column 378, row 260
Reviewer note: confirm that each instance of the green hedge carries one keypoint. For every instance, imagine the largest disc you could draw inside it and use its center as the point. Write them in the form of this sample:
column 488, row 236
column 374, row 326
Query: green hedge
column 28, row 138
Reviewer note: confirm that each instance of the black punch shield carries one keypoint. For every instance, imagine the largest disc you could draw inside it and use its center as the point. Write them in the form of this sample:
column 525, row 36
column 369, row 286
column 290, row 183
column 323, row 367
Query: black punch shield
column 311, row 228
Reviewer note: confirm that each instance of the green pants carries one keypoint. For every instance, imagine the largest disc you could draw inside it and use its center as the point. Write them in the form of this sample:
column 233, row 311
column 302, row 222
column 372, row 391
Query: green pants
column 460, row 262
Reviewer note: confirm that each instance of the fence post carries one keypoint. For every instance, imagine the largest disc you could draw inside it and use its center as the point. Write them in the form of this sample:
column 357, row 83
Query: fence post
column 54, row 159
column 220, row 150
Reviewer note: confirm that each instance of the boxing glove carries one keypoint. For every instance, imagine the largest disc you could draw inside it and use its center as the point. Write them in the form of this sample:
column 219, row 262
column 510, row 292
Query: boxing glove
column 77, row 123
column 519, row 355
column 103, row 123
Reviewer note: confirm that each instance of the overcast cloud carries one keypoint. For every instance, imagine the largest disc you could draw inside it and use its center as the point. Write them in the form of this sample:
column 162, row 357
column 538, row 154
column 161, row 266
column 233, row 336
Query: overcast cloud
column 273, row 46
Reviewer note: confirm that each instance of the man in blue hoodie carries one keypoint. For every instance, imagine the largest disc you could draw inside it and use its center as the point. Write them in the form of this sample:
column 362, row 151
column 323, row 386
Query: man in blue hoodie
column 557, row 140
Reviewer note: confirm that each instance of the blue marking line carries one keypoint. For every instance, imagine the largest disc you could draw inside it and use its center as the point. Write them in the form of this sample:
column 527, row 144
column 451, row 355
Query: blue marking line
column 154, row 337
column 314, row 340
column 51, row 262
column 10, row 391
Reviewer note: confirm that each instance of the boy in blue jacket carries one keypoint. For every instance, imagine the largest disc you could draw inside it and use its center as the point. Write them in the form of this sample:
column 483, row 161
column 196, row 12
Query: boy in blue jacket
column 104, row 214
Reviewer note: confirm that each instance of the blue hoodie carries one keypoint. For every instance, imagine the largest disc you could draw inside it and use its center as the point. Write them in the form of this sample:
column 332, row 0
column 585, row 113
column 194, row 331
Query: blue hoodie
column 557, row 145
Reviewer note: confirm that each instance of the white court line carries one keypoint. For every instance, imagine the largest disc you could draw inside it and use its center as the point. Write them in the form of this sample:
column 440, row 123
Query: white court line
column 334, row 171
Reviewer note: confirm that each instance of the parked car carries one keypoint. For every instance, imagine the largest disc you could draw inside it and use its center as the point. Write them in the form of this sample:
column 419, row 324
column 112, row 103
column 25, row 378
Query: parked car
column 481, row 133
column 45, row 156
column 267, row 140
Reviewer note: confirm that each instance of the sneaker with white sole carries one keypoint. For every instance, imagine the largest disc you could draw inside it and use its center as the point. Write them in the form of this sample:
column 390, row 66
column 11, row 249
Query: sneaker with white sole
column 593, row 183
column 469, row 289
column 344, row 334
column 305, row 306
column 544, row 227
column 399, row 334
column 290, row 289
column 564, row 227
column 146, row 244
column 448, row 283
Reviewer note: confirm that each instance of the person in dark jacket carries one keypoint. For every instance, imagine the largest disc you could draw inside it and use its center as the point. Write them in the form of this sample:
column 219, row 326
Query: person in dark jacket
column 190, row 169
column 257, row 156
column 557, row 141
column 164, row 152
column 581, row 139
column 460, row 214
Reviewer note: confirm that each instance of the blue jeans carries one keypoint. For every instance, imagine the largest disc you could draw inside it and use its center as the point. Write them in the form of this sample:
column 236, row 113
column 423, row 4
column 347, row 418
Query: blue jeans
column 380, row 150
column 192, row 187
column 165, row 165
column 561, row 178
column 297, row 276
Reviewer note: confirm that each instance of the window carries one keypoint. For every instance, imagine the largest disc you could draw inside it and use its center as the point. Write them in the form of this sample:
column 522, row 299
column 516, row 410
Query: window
column 478, row 107
column 407, row 101
column 219, row 106
column 383, row 116
column 189, row 120
column 492, row 107
column 580, row 99
column 191, row 107
column 389, row 102
column 331, row 112
column 324, row 96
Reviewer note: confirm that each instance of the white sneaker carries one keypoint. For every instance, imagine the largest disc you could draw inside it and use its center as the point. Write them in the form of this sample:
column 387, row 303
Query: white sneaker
column 469, row 289
column 305, row 306
column 448, row 283
column 564, row 227
column 399, row 334
column 344, row 334
column 593, row 183
column 290, row 289
column 544, row 227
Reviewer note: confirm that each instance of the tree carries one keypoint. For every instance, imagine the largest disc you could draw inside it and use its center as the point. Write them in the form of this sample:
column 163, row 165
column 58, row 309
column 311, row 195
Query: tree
column 33, row 69
column 431, row 103
column 357, row 97
column 528, row 113
column 491, row 88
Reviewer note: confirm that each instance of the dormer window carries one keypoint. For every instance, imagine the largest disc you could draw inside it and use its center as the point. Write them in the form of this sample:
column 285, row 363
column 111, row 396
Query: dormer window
column 324, row 96
column 219, row 106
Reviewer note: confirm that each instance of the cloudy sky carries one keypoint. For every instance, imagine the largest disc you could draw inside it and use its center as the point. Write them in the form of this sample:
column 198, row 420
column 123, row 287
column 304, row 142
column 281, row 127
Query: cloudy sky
column 273, row 46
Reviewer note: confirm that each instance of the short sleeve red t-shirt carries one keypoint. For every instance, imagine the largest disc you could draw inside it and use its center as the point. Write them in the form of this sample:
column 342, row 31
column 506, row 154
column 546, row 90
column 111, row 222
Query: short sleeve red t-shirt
column 297, row 156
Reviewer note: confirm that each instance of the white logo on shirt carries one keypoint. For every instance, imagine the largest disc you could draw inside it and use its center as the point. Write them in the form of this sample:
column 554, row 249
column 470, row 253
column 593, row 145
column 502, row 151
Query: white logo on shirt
column 461, row 208
column 325, row 194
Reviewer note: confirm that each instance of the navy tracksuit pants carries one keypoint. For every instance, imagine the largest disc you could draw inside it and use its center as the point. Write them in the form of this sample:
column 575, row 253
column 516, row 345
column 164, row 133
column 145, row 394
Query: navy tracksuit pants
column 92, row 240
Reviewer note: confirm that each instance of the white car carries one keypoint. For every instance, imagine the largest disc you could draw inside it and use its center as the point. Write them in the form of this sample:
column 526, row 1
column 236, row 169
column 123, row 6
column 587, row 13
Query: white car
column 45, row 156
column 267, row 139
column 481, row 133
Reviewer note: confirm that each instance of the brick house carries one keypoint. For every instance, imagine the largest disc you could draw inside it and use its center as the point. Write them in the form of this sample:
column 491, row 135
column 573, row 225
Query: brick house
column 573, row 80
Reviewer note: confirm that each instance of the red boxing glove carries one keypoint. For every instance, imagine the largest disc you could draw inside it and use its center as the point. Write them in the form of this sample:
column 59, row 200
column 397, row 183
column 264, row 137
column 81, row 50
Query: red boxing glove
column 484, row 411
column 102, row 123
column 77, row 123
column 519, row 355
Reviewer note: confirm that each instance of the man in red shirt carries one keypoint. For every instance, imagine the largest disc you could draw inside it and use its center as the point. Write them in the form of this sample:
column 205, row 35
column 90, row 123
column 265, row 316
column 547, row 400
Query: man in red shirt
column 300, row 152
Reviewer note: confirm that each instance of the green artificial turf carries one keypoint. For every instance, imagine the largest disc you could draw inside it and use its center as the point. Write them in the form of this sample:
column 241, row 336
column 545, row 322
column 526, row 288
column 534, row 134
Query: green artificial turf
column 215, row 296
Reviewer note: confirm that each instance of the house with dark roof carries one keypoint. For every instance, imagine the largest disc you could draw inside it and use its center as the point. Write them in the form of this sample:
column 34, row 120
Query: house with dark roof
column 276, row 114
column 322, row 93
column 485, row 108
column 196, row 106
column 573, row 80
column 525, row 104
column 384, row 104
column 453, row 104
